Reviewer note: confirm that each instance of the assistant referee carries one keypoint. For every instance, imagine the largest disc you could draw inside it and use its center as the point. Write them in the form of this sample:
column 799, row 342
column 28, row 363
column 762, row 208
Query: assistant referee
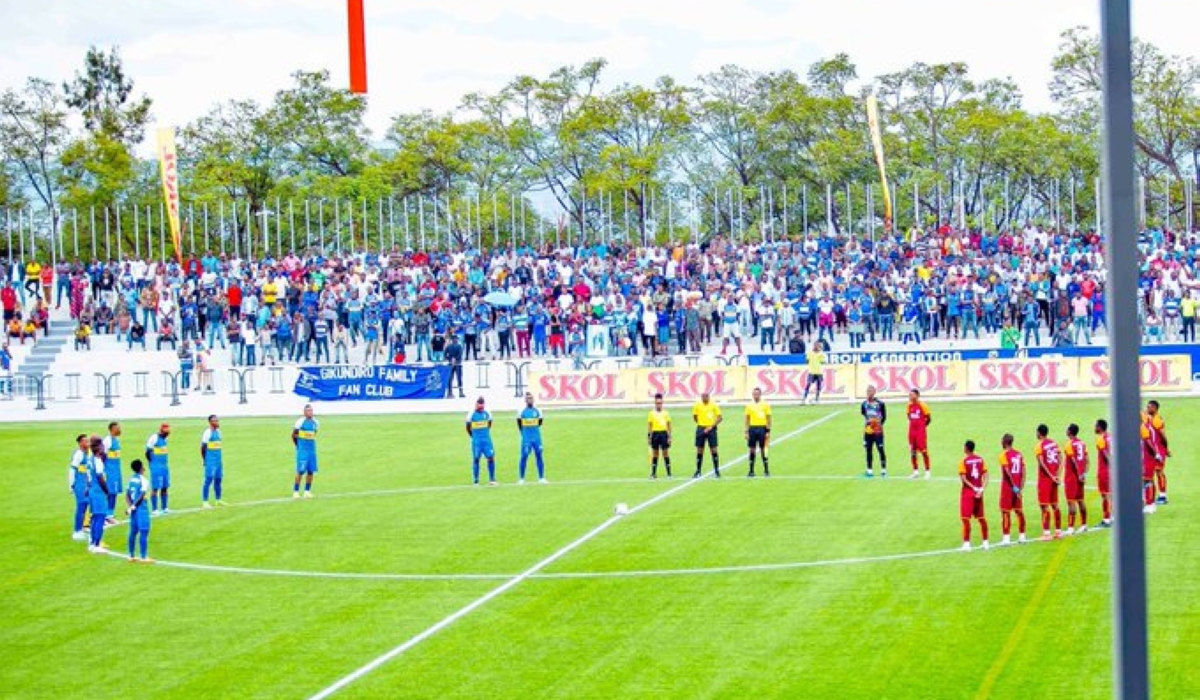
column 658, row 433
column 758, row 430
column 707, row 416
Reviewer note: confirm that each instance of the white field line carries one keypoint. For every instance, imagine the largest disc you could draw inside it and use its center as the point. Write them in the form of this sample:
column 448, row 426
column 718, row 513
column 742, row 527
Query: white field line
column 516, row 580
column 635, row 573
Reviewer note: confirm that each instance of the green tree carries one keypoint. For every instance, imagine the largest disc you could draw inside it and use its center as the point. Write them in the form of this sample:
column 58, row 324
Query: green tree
column 1166, row 98
column 320, row 127
column 641, row 129
column 33, row 134
column 99, row 167
column 103, row 96
column 550, row 130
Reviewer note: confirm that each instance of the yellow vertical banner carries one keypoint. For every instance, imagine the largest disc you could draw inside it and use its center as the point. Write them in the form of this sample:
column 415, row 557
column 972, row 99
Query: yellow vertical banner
column 877, row 142
column 169, row 167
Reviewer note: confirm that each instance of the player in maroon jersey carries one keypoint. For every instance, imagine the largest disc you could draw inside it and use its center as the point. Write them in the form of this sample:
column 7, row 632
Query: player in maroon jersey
column 1074, row 476
column 1049, row 460
column 918, row 438
column 1153, row 424
column 972, row 472
column 1012, row 477
column 1103, row 454
column 1153, row 457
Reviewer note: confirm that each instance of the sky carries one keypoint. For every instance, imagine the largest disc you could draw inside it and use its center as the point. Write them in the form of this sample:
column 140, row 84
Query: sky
column 189, row 55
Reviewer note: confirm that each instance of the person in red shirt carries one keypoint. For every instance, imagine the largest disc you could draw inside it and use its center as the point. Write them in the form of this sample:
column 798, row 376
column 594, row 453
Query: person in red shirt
column 1160, row 474
column 918, row 438
column 1049, row 461
column 234, row 296
column 8, row 300
column 1012, row 478
column 972, row 472
column 1154, row 456
column 1073, row 478
column 1103, row 454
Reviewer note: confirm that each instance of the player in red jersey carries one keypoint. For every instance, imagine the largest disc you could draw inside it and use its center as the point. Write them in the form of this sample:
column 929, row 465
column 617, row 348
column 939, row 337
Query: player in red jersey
column 1073, row 479
column 918, row 439
column 1012, row 477
column 1154, row 455
column 972, row 472
column 1103, row 454
column 1154, row 419
column 1049, row 461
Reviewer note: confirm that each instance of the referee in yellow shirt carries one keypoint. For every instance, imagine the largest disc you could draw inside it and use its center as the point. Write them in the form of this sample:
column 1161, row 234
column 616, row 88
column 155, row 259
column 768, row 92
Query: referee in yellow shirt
column 658, row 432
column 707, row 416
column 816, row 371
column 758, row 430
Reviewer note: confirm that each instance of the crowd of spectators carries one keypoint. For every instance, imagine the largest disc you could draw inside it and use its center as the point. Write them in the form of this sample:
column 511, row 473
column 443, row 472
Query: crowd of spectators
column 1025, row 288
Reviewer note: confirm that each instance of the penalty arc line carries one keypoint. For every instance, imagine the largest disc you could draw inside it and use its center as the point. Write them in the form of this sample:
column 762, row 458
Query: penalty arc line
column 516, row 580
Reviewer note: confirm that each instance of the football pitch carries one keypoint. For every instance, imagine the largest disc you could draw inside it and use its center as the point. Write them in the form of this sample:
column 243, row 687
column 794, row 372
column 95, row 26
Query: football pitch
column 401, row 580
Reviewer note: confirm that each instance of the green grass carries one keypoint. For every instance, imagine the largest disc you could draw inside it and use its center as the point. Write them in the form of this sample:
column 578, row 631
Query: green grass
column 393, row 498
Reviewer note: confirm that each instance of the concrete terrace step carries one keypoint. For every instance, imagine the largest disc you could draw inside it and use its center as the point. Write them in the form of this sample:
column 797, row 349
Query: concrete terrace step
column 41, row 354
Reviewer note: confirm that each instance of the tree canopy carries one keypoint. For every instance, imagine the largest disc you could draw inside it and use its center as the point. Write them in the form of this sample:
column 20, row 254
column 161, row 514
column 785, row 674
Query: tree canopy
column 737, row 149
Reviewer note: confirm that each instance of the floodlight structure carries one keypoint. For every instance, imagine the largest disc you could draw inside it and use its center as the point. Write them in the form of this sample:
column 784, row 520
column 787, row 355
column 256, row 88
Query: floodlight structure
column 1131, row 679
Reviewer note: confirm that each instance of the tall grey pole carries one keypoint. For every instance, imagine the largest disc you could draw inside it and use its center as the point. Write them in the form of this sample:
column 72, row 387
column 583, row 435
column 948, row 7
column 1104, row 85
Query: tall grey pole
column 1131, row 678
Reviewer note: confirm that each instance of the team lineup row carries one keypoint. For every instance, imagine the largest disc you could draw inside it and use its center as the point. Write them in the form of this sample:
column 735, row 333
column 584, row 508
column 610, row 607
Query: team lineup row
column 95, row 480
column 95, row 475
column 1066, row 466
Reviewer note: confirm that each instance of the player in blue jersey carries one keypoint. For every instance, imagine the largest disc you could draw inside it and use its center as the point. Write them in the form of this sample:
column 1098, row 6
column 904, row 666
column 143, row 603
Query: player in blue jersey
column 112, row 467
column 214, row 466
column 479, row 427
column 160, row 470
column 77, row 483
column 97, row 494
column 304, row 437
column 138, row 511
column 529, row 423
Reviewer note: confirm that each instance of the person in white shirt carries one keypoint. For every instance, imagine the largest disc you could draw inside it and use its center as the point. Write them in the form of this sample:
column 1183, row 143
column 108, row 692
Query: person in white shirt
column 250, row 341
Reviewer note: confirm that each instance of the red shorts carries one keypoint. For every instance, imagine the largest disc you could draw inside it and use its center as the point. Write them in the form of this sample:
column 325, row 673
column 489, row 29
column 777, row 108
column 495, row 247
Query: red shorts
column 1010, row 500
column 1149, row 466
column 1073, row 488
column 969, row 506
column 1047, row 492
column 1102, row 479
column 918, row 443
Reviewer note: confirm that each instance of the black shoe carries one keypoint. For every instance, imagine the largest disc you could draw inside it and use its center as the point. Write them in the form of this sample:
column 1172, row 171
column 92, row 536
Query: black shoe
column 766, row 474
column 696, row 475
column 716, row 473
column 750, row 475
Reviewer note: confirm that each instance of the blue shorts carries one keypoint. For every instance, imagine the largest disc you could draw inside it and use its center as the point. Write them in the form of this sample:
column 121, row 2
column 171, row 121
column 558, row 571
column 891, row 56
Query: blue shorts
column 214, row 471
column 81, row 493
column 98, row 502
column 160, row 478
column 140, row 520
column 530, row 448
column 482, row 449
column 113, row 478
column 306, row 462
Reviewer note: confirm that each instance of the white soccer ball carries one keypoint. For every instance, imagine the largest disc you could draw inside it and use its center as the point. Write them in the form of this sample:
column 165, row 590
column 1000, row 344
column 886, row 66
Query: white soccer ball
column 622, row 509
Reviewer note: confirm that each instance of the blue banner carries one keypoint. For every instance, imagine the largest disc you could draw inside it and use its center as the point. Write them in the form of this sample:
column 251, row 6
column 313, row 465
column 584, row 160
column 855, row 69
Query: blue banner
column 374, row 383
column 852, row 357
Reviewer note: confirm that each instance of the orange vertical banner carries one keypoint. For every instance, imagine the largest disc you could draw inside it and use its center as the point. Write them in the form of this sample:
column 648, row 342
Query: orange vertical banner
column 877, row 142
column 358, row 47
column 169, row 168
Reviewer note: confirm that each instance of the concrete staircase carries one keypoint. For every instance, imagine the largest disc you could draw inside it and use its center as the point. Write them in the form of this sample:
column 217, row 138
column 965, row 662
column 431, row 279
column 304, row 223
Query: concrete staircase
column 47, row 348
